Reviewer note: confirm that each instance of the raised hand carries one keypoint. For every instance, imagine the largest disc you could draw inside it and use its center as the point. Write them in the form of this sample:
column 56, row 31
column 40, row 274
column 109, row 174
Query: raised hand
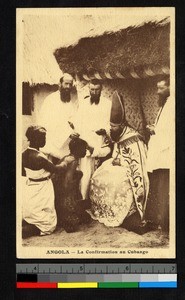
column 74, row 135
column 101, row 132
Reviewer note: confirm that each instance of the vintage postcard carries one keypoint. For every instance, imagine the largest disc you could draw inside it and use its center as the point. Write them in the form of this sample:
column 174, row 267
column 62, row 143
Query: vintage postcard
column 95, row 133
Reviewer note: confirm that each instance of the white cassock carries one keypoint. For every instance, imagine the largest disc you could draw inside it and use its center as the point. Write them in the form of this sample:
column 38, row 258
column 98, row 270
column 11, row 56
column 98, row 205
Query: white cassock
column 160, row 146
column 90, row 118
column 54, row 116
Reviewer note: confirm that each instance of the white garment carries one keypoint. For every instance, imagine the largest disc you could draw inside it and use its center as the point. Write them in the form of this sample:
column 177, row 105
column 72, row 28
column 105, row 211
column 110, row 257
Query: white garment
column 54, row 116
column 117, row 191
column 160, row 146
column 38, row 201
column 90, row 118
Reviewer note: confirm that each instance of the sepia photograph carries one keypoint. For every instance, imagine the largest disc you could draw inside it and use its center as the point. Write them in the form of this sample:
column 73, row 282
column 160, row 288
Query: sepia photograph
column 95, row 132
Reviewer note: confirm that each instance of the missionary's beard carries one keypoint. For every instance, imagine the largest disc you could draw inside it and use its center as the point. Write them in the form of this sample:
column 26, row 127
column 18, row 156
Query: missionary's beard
column 65, row 95
column 95, row 99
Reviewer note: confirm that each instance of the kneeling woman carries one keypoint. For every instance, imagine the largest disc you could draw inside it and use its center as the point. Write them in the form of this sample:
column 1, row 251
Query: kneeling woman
column 39, row 215
column 119, row 187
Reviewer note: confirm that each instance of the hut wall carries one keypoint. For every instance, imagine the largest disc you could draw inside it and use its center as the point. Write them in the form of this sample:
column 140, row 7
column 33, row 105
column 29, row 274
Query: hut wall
column 38, row 98
column 26, row 122
column 39, row 94
column 140, row 99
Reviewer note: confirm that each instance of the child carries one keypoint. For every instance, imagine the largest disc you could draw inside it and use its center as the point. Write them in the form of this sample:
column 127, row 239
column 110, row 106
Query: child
column 69, row 204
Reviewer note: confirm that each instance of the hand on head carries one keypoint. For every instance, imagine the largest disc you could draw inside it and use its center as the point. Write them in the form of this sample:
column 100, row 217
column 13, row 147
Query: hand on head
column 78, row 147
column 101, row 132
column 90, row 149
column 74, row 135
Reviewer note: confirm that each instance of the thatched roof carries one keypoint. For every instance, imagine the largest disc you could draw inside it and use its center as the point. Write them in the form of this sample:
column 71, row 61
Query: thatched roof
column 135, row 51
column 39, row 42
column 84, row 40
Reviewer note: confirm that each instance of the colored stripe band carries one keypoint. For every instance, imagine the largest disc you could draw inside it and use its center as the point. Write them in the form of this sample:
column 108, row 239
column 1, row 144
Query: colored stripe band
column 36, row 285
column 118, row 284
column 46, row 285
column 170, row 284
column 75, row 285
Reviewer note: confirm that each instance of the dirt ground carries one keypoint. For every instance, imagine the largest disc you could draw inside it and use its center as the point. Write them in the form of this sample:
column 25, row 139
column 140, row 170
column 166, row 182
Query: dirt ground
column 96, row 235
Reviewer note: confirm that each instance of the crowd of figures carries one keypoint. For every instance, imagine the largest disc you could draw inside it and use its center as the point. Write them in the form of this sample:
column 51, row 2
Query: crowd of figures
column 84, row 162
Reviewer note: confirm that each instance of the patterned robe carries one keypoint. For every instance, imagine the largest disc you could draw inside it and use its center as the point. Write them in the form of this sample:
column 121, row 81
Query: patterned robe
column 117, row 191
